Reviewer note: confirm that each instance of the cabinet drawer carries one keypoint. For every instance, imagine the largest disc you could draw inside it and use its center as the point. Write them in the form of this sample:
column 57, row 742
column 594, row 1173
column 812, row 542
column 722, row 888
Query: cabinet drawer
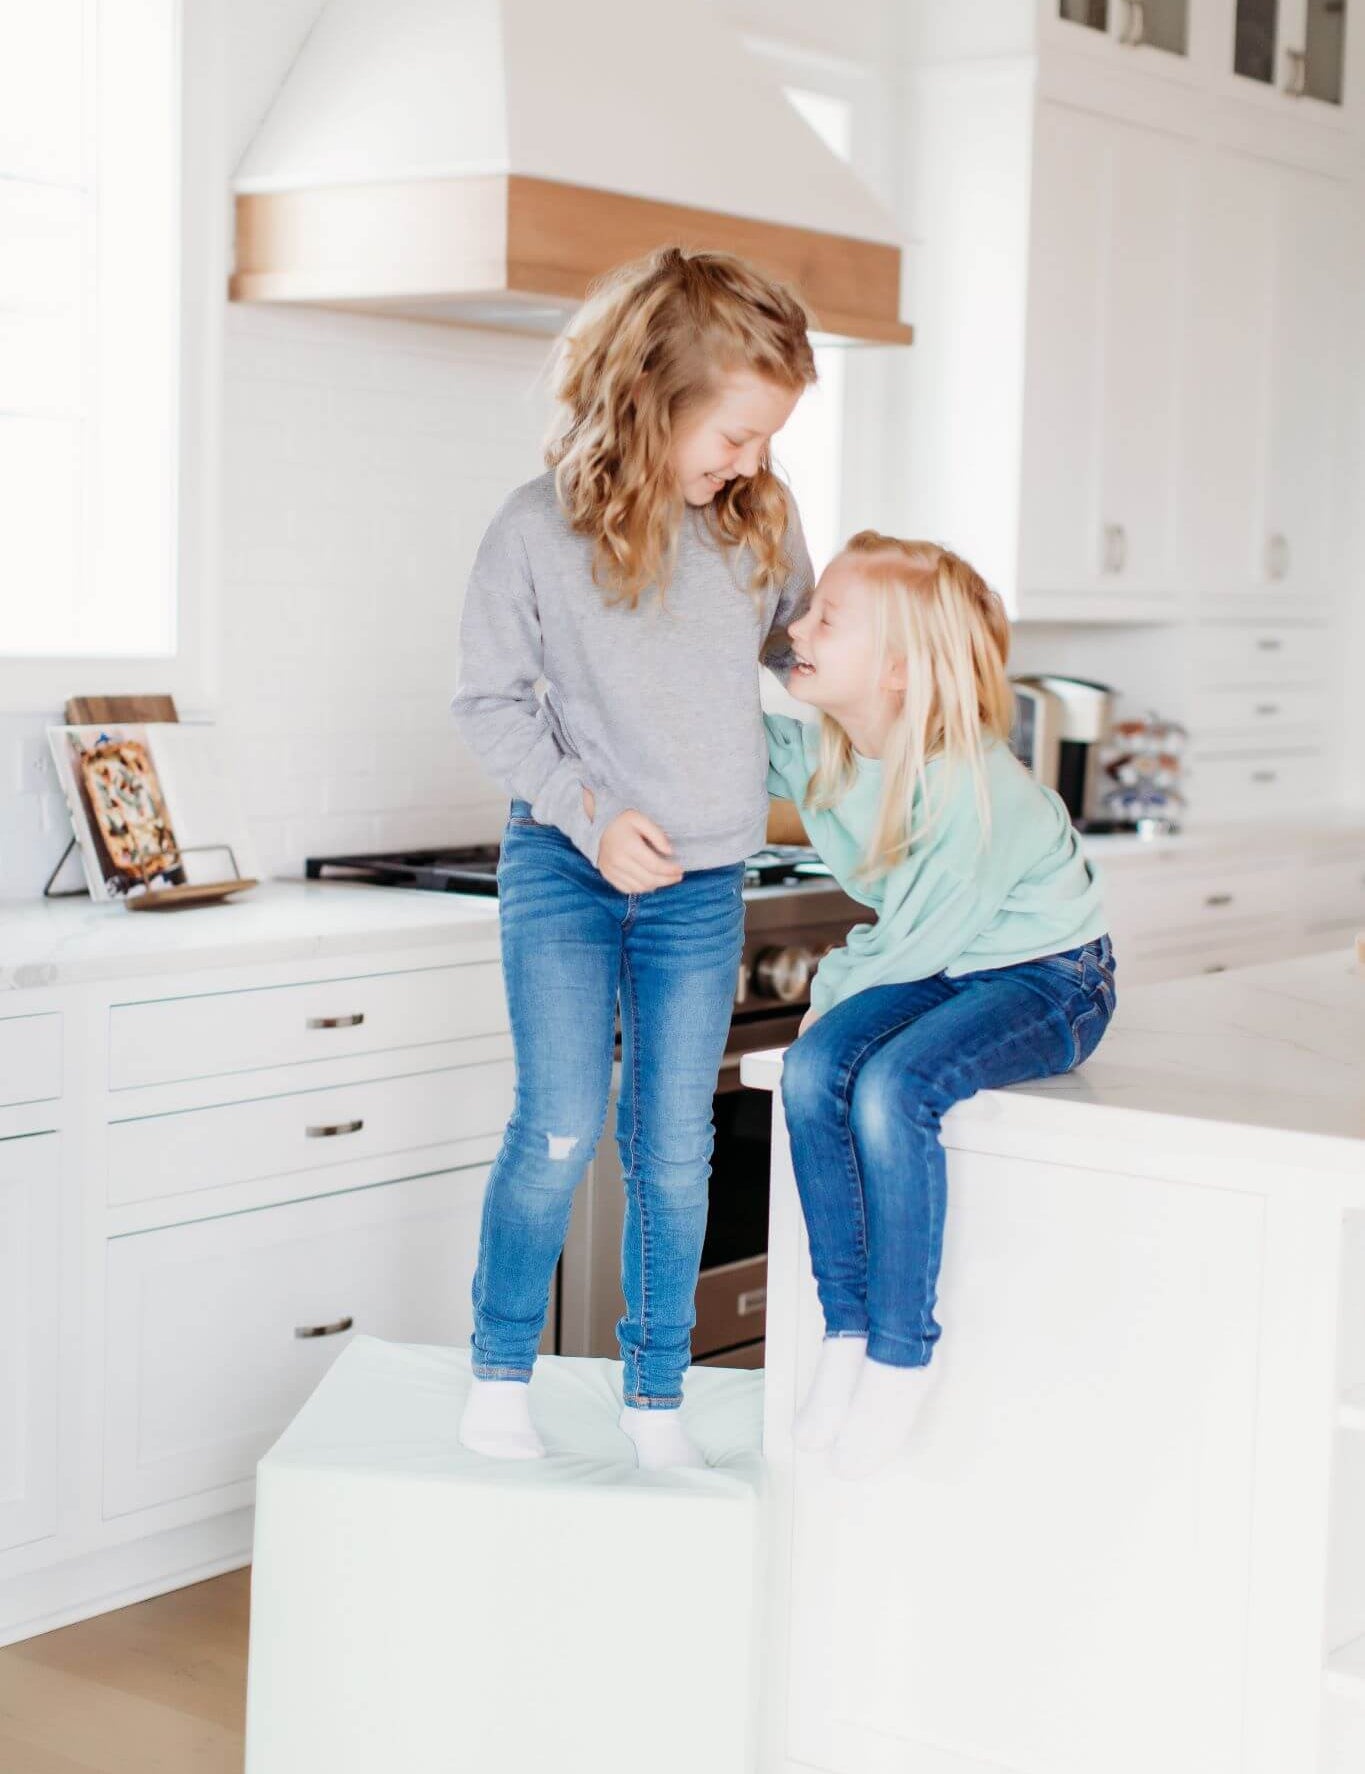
column 30, row 1058
column 204, row 1362
column 1243, row 787
column 1256, row 715
column 167, row 1039
column 1190, row 908
column 307, row 1130
column 1262, row 655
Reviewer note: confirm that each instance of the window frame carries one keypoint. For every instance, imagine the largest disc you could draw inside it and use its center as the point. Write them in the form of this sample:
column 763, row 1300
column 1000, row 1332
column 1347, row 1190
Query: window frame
column 40, row 683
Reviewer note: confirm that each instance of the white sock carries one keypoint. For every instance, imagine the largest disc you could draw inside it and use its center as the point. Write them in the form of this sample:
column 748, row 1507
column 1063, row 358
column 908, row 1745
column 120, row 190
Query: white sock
column 836, row 1374
column 497, row 1421
column 659, row 1439
column 878, row 1422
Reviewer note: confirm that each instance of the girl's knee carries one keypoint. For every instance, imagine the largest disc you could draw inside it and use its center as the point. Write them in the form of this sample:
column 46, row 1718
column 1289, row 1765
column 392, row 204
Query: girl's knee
column 890, row 1100
column 807, row 1072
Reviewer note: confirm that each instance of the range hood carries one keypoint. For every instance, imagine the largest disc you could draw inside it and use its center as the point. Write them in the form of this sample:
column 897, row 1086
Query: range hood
column 479, row 162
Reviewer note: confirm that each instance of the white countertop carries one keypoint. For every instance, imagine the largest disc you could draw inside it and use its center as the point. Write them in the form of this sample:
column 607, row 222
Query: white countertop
column 65, row 942
column 1272, row 1056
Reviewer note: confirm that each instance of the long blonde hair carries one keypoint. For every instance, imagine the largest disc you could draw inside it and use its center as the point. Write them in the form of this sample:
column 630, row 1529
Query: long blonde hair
column 647, row 347
column 940, row 617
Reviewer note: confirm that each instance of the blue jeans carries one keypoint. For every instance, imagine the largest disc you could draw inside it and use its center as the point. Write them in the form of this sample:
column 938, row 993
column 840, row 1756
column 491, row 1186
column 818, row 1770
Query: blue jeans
column 571, row 944
column 865, row 1090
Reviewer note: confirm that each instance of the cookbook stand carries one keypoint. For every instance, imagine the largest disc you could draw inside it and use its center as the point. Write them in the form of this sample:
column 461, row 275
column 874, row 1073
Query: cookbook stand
column 85, row 711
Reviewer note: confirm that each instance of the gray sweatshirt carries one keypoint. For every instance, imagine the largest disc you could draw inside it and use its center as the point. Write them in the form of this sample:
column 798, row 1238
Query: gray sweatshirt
column 655, row 708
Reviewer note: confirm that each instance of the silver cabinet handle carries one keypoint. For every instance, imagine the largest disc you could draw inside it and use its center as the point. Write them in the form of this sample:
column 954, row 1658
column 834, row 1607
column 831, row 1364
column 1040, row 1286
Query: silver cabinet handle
column 1277, row 557
column 1115, row 548
column 336, row 1022
column 1218, row 899
column 1296, row 72
column 1267, row 708
column 331, row 1131
column 1265, row 775
column 1135, row 27
column 754, row 1300
column 1269, row 644
column 323, row 1330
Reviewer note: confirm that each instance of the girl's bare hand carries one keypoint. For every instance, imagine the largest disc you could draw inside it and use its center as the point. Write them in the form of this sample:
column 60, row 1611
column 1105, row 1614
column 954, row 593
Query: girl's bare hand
column 589, row 803
column 635, row 855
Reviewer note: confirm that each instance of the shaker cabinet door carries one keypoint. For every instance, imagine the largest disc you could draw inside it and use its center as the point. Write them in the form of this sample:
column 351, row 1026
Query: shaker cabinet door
column 29, row 1292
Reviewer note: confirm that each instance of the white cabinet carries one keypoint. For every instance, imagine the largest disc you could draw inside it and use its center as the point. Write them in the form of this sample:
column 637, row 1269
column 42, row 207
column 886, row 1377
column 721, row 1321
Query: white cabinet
column 1154, row 32
column 1293, row 49
column 30, row 1059
column 1268, row 339
column 1108, row 252
column 209, row 1174
column 1047, row 379
column 217, row 1331
column 1305, row 443
column 30, row 1219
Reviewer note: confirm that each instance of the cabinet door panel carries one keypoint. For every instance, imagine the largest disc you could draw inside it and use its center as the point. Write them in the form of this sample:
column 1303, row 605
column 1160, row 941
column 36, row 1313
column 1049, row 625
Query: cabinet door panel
column 205, row 1366
column 1059, row 506
column 1305, row 443
column 29, row 1292
column 1146, row 268
column 1109, row 255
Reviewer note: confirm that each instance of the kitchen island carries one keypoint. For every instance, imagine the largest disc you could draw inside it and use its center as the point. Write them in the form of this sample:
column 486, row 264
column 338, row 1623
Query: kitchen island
column 1130, row 1533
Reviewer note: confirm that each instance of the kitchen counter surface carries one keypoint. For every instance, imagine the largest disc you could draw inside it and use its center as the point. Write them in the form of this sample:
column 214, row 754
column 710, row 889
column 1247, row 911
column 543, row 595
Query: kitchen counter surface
column 64, row 942
column 1266, row 1062
column 1232, row 838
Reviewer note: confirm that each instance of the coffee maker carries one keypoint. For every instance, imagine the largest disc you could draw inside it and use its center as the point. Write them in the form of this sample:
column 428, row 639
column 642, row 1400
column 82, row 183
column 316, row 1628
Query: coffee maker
column 1059, row 727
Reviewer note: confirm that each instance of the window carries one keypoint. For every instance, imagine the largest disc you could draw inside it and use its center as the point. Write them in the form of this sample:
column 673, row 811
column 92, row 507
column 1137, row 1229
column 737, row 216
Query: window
column 810, row 448
column 89, row 192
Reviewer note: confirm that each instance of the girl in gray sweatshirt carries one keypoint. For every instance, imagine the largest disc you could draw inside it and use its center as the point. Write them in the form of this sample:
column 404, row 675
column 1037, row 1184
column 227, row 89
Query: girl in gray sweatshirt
column 615, row 618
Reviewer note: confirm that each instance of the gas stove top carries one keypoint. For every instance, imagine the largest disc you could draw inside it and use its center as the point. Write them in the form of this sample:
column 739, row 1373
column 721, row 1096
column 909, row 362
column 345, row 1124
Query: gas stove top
column 473, row 868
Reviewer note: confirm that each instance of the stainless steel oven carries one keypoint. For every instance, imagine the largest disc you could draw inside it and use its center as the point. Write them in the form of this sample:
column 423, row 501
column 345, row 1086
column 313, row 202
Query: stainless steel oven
column 787, row 929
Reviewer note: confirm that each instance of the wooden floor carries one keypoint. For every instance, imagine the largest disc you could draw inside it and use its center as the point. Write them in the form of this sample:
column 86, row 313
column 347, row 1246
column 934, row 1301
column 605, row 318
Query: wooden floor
column 158, row 1688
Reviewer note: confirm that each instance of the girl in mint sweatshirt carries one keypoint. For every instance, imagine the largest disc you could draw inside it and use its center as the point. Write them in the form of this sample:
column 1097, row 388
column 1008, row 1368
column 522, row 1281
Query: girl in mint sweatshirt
column 985, row 961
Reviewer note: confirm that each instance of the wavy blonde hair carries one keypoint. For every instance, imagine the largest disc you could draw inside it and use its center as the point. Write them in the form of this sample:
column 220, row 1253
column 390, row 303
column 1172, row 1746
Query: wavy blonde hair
column 938, row 615
column 648, row 346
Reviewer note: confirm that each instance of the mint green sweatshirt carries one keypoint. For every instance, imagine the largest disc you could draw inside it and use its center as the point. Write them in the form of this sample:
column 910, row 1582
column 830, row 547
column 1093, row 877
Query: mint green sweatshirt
column 954, row 905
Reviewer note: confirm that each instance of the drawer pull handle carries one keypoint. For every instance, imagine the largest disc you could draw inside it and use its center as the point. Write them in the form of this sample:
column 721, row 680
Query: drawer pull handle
column 332, row 1129
column 1216, row 967
column 336, row 1022
column 323, row 1330
column 1265, row 775
column 1267, row 708
column 1218, row 899
column 1268, row 644
column 754, row 1300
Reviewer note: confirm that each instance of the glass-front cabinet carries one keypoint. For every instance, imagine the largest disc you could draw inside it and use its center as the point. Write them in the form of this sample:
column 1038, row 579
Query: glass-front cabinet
column 1151, row 24
column 1296, row 45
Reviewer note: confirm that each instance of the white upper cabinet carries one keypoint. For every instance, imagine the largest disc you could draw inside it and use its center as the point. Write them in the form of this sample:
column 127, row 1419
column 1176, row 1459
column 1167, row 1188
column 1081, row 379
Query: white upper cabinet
column 1264, row 422
column 1109, row 246
column 1295, row 46
column 1153, row 29
column 1296, row 547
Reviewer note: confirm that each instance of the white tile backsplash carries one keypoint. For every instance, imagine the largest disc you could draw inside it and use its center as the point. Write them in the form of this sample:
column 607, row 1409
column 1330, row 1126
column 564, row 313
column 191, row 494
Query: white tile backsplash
column 361, row 461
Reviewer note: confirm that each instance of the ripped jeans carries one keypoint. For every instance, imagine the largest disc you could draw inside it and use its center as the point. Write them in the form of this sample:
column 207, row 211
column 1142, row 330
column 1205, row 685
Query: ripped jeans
column 571, row 945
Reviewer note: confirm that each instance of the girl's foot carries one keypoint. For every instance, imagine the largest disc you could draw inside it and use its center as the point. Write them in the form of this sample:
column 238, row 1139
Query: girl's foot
column 836, row 1375
column 659, row 1439
column 886, row 1403
column 497, row 1421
